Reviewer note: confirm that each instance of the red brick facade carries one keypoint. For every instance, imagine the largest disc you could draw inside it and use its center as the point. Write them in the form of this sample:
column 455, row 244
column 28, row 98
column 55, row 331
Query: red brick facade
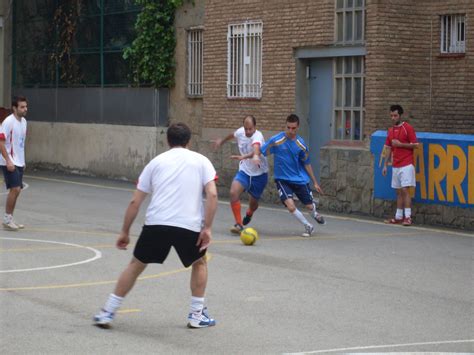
column 403, row 62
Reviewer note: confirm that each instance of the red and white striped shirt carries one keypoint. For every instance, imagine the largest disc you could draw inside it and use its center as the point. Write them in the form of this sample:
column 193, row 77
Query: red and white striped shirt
column 13, row 132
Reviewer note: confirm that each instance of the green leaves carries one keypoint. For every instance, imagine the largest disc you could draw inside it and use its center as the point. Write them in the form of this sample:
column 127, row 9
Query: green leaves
column 151, row 54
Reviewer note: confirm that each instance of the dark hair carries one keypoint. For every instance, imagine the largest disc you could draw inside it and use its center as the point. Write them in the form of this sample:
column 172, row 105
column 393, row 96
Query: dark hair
column 397, row 108
column 17, row 99
column 293, row 118
column 178, row 134
column 253, row 119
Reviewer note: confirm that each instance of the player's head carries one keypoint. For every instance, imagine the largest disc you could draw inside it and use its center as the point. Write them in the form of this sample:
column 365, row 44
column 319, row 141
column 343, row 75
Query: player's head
column 292, row 124
column 178, row 135
column 19, row 106
column 396, row 112
column 250, row 124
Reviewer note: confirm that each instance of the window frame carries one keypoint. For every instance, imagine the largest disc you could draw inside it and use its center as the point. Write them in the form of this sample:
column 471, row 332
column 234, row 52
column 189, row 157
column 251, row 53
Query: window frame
column 244, row 72
column 195, row 62
column 352, row 10
column 452, row 34
column 343, row 108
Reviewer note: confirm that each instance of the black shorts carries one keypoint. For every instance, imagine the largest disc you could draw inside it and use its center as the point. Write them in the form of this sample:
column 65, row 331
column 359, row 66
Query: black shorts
column 288, row 189
column 13, row 178
column 155, row 242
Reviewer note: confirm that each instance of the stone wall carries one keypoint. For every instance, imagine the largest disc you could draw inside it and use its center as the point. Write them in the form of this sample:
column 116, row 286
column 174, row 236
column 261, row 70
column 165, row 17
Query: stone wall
column 347, row 181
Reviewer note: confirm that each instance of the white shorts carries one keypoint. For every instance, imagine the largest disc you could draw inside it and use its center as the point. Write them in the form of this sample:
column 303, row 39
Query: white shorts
column 403, row 177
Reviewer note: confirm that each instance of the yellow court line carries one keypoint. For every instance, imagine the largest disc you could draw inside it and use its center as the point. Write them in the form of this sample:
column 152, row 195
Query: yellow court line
column 78, row 183
column 99, row 283
column 131, row 310
column 345, row 218
column 86, row 284
column 41, row 230
column 4, row 250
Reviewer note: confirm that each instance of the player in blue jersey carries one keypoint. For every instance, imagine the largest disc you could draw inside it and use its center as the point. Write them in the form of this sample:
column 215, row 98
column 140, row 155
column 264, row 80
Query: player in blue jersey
column 293, row 172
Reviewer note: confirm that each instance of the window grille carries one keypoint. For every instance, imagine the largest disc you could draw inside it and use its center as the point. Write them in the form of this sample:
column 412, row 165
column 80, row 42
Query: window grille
column 350, row 21
column 195, row 62
column 349, row 101
column 453, row 34
column 244, row 62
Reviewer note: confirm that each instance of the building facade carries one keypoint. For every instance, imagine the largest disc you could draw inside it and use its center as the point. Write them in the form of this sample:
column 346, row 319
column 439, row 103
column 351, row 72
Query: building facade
column 338, row 64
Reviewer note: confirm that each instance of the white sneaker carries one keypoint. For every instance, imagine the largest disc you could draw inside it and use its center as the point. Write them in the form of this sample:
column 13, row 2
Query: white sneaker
column 20, row 226
column 104, row 318
column 10, row 226
column 200, row 319
column 308, row 230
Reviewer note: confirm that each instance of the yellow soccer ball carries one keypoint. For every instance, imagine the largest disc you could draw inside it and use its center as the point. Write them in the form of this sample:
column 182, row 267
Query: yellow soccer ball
column 249, row 236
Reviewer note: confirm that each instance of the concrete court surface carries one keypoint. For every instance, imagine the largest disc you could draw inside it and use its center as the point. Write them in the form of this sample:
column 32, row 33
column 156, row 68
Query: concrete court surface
column 356, row 286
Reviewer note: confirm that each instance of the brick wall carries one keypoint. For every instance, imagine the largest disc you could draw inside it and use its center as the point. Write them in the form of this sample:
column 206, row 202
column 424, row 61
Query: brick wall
column 404, row 66
column 286, row 25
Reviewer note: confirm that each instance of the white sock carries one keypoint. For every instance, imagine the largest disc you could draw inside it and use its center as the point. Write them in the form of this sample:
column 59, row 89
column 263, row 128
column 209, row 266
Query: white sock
column 314, row 213
column 399, row 214
column 7, row 218
column 407, row 212
column 299, row 216
column 197, row 304
column 113, row 303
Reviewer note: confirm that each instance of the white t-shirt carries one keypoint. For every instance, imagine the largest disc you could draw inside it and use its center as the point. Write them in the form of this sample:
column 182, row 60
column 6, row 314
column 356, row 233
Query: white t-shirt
column 176, row 181
column 246, row 146
column 14, row 134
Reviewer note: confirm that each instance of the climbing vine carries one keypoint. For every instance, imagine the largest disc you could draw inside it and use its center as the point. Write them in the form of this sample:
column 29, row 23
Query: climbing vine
column 151, row 54
column 63, row 30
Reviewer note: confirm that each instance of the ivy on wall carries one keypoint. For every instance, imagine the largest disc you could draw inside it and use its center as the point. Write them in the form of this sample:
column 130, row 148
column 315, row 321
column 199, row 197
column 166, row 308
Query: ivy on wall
column 151, row 54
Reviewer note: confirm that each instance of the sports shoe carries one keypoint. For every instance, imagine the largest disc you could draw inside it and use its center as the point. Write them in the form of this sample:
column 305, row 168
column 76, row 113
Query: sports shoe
column 200, row 319
column 319, row 218
column 393, row 221
column 20, row 226
column 104, row 318
column 10, row 226
column 246, row 219
column 407, row 221
column 237, row 228
column 308, row 230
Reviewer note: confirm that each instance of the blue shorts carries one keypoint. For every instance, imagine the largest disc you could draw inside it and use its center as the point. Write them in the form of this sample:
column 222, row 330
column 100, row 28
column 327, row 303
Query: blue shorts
column 288, row 189
column 13, row 178
column 254, row 185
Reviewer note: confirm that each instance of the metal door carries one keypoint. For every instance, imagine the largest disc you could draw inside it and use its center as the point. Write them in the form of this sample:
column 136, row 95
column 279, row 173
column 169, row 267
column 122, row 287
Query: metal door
column 320, row 110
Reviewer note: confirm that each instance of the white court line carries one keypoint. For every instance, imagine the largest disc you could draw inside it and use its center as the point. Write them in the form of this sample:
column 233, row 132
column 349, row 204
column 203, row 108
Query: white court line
column 25, row 186
column 342, row 218
column 97, row 255
column 356, row 348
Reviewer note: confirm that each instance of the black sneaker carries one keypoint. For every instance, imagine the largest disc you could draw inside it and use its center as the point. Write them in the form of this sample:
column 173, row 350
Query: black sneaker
column 246, row 219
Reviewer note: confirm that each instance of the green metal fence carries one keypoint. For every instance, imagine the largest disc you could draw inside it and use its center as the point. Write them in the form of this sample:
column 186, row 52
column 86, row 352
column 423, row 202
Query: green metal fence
column 72, row 43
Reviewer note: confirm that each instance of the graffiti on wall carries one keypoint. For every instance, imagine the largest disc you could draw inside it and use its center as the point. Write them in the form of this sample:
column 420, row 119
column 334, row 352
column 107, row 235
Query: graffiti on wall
column 444, row 165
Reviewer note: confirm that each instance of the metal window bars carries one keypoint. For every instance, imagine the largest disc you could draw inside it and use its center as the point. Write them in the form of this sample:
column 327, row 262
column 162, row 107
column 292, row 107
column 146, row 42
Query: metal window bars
column 244, row 60
column 453, row 34
column 195, row 62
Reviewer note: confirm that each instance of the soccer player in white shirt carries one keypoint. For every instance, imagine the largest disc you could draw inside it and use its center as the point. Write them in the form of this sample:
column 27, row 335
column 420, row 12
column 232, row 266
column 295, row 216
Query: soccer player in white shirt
column 176, row 180
column 12, row 159
column 253, row 170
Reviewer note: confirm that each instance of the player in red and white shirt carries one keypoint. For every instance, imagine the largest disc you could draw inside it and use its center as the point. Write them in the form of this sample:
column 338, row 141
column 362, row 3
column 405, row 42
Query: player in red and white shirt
column 400, row 142
column 253, row 170
column 12, row 159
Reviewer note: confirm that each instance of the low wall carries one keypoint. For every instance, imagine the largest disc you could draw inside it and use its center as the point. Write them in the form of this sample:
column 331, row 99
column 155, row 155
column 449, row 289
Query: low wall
column 347, row 173
column 103, row 150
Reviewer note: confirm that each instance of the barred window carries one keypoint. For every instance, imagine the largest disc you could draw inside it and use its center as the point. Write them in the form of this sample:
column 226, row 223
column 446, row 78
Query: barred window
column 244, row 62
column 453, row 34
column 195, row 62
column 350, row 21
column 349, row 98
